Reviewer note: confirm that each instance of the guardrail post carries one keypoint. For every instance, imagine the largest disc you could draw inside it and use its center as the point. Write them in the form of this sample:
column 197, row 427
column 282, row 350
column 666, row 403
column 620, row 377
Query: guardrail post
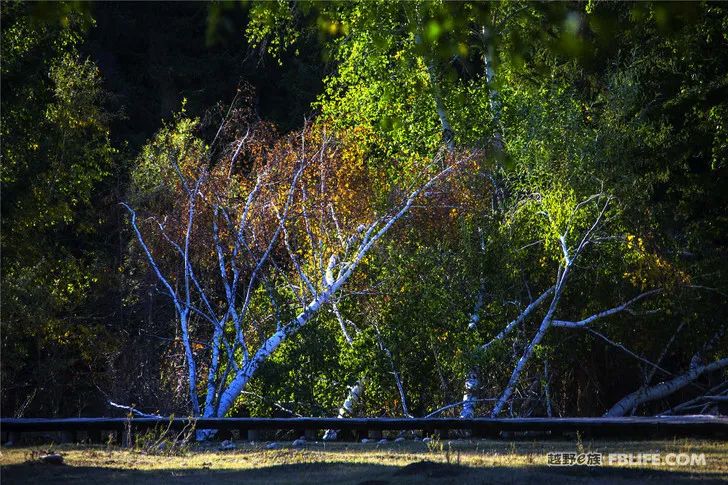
column 13, row 438
column 375, row 434
column 360, row 434
column 480, row 432
column 127, row 438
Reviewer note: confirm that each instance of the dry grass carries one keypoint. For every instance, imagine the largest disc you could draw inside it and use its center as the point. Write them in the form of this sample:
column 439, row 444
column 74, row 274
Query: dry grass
column 456, row 461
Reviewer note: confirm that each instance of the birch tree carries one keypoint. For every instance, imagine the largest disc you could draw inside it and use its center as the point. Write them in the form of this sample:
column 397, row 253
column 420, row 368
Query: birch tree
column 284, row 239
column 563, row 228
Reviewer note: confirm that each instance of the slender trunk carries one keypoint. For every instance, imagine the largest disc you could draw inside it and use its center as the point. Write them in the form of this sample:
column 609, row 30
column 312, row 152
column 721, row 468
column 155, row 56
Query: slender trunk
column 398, row 382
column 212, row 373
column 470, row 397
column 448, row 134
column 191, row 365
column 515, row 376
column 494, row 100
column 495, row 108
column 471, row 381
column 524, row 314
column 352, row 399
column 547, row 388
column 342, row 323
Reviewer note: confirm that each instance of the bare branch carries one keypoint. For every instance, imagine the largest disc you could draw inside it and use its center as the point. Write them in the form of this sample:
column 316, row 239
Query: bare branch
column 605, row 313
column 133, row 410
column 625, row 349
column 524, row 314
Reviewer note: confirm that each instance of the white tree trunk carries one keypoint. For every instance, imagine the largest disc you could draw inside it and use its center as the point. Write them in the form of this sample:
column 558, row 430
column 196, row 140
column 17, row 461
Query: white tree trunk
column 472, row 383
column 448, row 134
column 518, row 320
column 494, row 99
column 348, row 408
column 470, row 398
column 545, row 324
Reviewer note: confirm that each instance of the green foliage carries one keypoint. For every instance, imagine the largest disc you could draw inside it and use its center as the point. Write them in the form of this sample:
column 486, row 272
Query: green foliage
column 153, row 176
column 56, row 159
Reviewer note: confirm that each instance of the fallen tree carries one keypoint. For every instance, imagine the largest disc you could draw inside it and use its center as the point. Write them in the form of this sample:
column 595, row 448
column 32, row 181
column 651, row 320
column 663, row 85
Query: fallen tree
column 663, row 389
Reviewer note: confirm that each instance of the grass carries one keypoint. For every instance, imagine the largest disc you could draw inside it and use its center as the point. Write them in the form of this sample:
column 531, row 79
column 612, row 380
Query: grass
column 455, row 461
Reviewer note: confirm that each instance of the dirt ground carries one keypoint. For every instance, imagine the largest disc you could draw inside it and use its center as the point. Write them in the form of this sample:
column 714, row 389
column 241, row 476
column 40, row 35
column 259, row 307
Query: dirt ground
column 455, row 461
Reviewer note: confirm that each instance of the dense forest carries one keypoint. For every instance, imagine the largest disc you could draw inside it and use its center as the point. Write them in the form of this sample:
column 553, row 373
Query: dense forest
column 364, row 208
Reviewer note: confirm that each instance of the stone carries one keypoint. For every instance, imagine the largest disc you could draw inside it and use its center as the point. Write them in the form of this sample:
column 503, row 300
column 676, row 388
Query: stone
column 426, row 440
column 366, row 440
column 383, row 441
column 227, row 445
column 272, row 446
column 51, row 459
column 298, row 443
column 400, row 439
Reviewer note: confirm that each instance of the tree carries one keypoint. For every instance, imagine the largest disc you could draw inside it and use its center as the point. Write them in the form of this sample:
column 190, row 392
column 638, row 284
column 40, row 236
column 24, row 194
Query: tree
column 286, row 236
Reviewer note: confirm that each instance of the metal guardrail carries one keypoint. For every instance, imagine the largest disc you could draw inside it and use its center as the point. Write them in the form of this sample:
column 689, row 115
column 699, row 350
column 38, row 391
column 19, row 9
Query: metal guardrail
column 708, row 426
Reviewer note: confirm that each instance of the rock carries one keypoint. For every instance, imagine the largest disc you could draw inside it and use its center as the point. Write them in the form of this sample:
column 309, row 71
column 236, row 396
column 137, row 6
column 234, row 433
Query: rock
column 227, row 445
column 430, row 469
column 299, row 442
column 366, row 440
column 330, row 435
column 51, row 459
column 400, row 439
column 383, row 441
column 272, row 446
column 426, row 440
